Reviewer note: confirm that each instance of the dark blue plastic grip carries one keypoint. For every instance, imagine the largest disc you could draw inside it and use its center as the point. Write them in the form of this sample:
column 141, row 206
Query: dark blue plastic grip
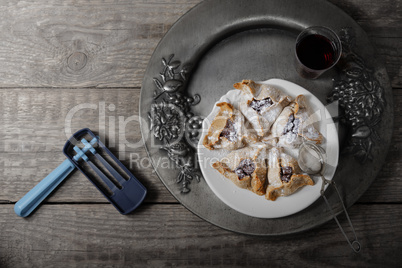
column 130, row 193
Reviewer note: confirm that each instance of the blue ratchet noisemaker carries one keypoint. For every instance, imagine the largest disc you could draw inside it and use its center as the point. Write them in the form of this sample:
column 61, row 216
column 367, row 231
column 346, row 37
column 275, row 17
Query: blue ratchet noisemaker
column 109, row 176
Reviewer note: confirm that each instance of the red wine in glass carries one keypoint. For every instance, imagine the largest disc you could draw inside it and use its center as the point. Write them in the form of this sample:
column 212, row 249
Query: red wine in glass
column 317, row 50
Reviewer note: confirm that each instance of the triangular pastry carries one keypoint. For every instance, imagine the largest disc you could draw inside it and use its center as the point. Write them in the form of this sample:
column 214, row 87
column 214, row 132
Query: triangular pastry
column 284, row 175
column 246, row 168
column 228, row 130
column 261, row 104
column 294, row 124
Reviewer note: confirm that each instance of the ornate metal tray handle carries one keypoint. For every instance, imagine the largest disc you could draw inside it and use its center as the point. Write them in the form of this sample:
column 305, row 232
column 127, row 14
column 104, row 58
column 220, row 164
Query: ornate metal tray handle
column 173, row 123
column 361, row 98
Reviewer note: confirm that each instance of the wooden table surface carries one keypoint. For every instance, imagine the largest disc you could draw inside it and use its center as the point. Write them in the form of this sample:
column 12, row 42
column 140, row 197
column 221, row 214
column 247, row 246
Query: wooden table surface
column 56, row 55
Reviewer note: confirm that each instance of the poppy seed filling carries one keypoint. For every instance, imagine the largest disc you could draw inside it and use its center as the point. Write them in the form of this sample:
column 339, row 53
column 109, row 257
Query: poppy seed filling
column 229, row 132
column 245, row 168
column 286, row 173
column 292, row 126
column 258, row 105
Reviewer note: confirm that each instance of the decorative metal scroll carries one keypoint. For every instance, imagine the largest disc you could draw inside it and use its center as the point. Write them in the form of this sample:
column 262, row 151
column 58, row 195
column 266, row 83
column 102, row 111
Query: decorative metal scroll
column 361, row 98
column 173, row 123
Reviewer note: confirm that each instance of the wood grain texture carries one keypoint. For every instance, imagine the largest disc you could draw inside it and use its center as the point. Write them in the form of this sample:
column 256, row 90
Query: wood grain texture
column 378, row 19
column 169, row 235
column 389, row 51
column 85, row 60
column 40, row 39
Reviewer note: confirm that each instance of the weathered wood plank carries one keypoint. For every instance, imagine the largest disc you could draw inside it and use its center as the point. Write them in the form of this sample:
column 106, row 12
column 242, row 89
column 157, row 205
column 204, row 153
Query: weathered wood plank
column 103, row 44
column 35, row 120
column 377, row 18
column 389, row 52
column 169, row 235
column 107, row 44
column 33, row 134
column 40, row 41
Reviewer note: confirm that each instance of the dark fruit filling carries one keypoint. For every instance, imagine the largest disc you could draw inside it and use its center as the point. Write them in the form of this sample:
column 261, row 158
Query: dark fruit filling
column 258, row 105
column 245, row 168
column 286, row 173
column 292, row 125
column 229, row 132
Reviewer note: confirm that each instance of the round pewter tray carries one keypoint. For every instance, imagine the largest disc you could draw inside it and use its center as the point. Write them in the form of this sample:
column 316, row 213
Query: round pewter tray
column 218, row 43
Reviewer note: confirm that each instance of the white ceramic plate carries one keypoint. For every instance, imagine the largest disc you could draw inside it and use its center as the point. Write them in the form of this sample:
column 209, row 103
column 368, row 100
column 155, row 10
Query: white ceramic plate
column 245, row 201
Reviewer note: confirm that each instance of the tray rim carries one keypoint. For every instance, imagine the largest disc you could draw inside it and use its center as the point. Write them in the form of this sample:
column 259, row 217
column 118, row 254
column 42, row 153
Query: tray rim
column 325, row 218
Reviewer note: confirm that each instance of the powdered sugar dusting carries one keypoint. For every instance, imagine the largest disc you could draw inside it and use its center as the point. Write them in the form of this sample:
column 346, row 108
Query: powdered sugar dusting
column 257, row 206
